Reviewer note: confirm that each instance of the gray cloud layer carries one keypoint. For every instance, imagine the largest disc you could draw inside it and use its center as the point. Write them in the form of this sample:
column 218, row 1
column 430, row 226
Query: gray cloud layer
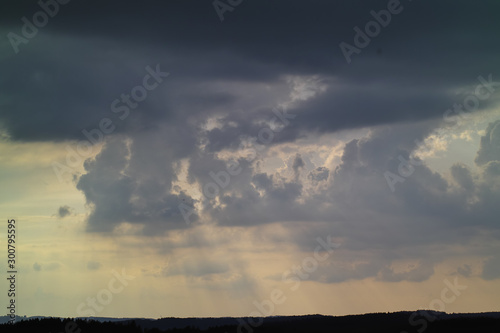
column 234, row 73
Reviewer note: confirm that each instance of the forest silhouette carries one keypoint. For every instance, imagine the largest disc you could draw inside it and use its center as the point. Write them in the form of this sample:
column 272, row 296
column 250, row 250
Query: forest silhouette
column 424, row 322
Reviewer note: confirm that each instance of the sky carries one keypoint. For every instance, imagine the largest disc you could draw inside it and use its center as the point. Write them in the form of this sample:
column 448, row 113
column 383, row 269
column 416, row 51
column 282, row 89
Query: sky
column 245, row 157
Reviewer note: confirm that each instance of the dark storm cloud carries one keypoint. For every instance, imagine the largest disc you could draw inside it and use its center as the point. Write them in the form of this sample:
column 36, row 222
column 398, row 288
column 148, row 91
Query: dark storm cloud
column 120, row 188
column 243, row 204
column 65, row 78
column 426, row 211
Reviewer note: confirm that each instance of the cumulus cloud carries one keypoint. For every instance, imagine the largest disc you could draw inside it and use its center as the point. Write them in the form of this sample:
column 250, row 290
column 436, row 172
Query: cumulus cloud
column 355, row 200
column 119, row 187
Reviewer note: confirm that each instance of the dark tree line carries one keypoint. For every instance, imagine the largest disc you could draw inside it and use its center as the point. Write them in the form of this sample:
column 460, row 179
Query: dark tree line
column 58, row 325
column 373, row 323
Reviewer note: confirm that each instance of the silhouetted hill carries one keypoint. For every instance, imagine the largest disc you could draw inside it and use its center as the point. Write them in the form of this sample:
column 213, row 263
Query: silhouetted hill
column 409, row 321
column 422, row 321
column 56, row 325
